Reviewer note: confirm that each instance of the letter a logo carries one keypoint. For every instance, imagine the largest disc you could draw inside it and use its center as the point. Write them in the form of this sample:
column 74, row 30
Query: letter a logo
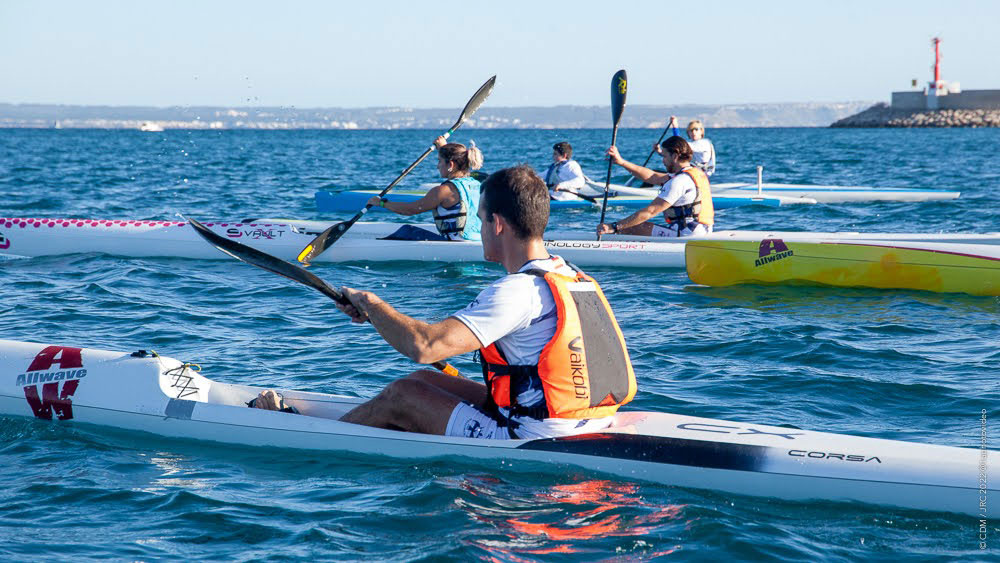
column 771, row 245
column 66, row 357
column 52, row 399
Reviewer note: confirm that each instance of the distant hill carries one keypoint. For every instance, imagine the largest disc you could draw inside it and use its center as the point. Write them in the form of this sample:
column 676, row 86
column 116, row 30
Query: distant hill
column 557, row 117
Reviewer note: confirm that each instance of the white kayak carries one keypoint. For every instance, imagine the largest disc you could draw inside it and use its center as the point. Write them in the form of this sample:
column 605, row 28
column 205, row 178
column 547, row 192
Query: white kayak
column 808, row 193
column 719, row 199
column 832, row 194
column 165, row 397
column 353, row 200
column 285, row 238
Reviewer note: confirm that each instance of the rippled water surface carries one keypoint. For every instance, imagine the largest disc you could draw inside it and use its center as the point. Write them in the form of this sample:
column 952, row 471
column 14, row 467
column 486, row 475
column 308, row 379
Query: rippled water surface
column 890, row 364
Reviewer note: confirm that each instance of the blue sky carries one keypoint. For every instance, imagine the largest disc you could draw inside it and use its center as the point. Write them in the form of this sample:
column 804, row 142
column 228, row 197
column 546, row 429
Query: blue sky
column 423, row 54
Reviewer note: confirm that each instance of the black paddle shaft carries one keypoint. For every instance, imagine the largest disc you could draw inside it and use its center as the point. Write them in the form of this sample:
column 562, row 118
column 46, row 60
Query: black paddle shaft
column 274, row 264
column 582, row 196
column 331, row 235
column 619, row 88
column 660, row 140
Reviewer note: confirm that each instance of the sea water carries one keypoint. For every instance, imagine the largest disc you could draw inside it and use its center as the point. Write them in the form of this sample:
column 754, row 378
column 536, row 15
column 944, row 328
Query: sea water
column 903, row 365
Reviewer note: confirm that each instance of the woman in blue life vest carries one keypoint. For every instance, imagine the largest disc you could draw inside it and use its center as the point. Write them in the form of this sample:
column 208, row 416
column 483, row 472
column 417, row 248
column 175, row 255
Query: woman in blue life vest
column 455, row 201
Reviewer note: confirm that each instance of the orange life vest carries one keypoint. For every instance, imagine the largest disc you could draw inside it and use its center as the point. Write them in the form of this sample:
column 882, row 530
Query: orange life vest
column 701, row 209
column 584, row 369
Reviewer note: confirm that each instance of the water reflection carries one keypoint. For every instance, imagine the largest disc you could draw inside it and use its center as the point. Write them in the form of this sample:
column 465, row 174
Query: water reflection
column 592, row 516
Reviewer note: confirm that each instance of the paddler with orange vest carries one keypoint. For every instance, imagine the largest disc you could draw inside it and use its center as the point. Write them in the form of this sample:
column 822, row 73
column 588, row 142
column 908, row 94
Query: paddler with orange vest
column 554, row 359
column 685, row 198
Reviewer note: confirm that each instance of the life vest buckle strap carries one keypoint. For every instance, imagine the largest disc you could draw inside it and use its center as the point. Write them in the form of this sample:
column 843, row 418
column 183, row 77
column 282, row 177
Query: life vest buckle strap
column 537, row 412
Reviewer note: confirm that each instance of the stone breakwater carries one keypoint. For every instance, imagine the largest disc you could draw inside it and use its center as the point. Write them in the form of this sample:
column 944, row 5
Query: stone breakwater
column 881, row 115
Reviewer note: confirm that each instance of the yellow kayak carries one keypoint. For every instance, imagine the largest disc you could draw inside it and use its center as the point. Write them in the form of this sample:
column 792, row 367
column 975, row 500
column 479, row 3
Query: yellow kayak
column 940, row 267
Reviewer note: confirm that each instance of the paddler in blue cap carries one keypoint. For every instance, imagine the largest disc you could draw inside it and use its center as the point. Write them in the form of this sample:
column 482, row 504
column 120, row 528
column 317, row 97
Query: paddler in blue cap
column 554, row 359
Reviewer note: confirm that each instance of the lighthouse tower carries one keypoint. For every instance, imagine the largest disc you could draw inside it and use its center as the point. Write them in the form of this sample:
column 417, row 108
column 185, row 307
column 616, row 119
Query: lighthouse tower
column 938, row 87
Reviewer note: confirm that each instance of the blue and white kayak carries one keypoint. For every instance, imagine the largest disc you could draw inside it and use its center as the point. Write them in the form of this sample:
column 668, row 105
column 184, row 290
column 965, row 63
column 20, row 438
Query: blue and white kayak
column 144, row 392
column 353, row 200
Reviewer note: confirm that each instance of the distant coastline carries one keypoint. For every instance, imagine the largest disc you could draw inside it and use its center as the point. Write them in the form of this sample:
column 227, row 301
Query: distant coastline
column 40, row 116
column 882, row 115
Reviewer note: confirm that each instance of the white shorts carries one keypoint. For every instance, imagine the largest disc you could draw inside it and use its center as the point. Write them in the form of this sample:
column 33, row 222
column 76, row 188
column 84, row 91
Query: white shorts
column 691, row 229
column 469, row 422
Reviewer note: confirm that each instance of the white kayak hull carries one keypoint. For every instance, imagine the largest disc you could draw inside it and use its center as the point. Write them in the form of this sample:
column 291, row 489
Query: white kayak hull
column 162, row 396
column 833, row 194
column 286, row 238
column 353, row 200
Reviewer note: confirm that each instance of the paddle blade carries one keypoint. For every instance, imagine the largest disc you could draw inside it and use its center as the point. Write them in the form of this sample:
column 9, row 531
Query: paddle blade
column 477, row 100
column 264, row 260
column 274, row 264
column 324, row 240
column 619, row 87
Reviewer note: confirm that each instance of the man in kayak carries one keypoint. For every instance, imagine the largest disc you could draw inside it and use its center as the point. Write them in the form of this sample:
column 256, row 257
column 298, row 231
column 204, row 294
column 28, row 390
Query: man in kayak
column 685, row 198
column 453, row 202
column 564, row 178
column 553, row 356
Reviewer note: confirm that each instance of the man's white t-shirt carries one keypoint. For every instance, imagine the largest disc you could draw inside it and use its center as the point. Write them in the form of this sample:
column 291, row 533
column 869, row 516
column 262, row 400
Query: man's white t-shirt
column 566, row 175
column 680, row 189
column 704, row 155
column 518, row 312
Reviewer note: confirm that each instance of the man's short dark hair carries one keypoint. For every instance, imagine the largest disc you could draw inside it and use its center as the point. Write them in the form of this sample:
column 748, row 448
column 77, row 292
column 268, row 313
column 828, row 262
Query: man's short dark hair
column 563, row 148
column 518, row 195
column 677, row 145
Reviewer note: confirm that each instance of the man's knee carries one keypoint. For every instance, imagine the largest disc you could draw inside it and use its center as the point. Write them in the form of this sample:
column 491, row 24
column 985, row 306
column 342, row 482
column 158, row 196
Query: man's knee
column 423, row 375
column 402, row 391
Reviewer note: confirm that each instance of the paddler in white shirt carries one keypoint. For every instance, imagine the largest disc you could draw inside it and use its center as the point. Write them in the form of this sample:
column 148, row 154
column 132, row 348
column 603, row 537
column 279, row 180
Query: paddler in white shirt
column 552, row 368
column 685, row 198
column 564, row 176
column 453, row 202
column 703, row 151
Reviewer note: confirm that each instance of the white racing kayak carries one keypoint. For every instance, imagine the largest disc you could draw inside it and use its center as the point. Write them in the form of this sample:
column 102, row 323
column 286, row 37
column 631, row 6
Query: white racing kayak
column 285, row 238
column 832, row 194
column 353, row 200
column 719, row 200
column 808, row 193
column 165, row 397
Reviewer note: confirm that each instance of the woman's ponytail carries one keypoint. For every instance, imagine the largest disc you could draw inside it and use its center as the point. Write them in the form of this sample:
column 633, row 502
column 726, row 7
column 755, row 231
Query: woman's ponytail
column 475, row 156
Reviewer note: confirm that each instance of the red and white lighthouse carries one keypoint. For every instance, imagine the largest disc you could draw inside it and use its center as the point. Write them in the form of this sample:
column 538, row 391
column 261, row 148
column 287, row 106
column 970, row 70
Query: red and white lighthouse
column 937, row 63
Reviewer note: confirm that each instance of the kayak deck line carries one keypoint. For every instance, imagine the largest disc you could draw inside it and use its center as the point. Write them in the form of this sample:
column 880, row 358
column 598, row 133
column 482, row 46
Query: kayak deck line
column 165, row 397
column 916, row 265
column 932, row 250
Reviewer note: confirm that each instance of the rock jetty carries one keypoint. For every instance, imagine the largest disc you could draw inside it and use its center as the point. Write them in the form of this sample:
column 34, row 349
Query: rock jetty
column 882, row 115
